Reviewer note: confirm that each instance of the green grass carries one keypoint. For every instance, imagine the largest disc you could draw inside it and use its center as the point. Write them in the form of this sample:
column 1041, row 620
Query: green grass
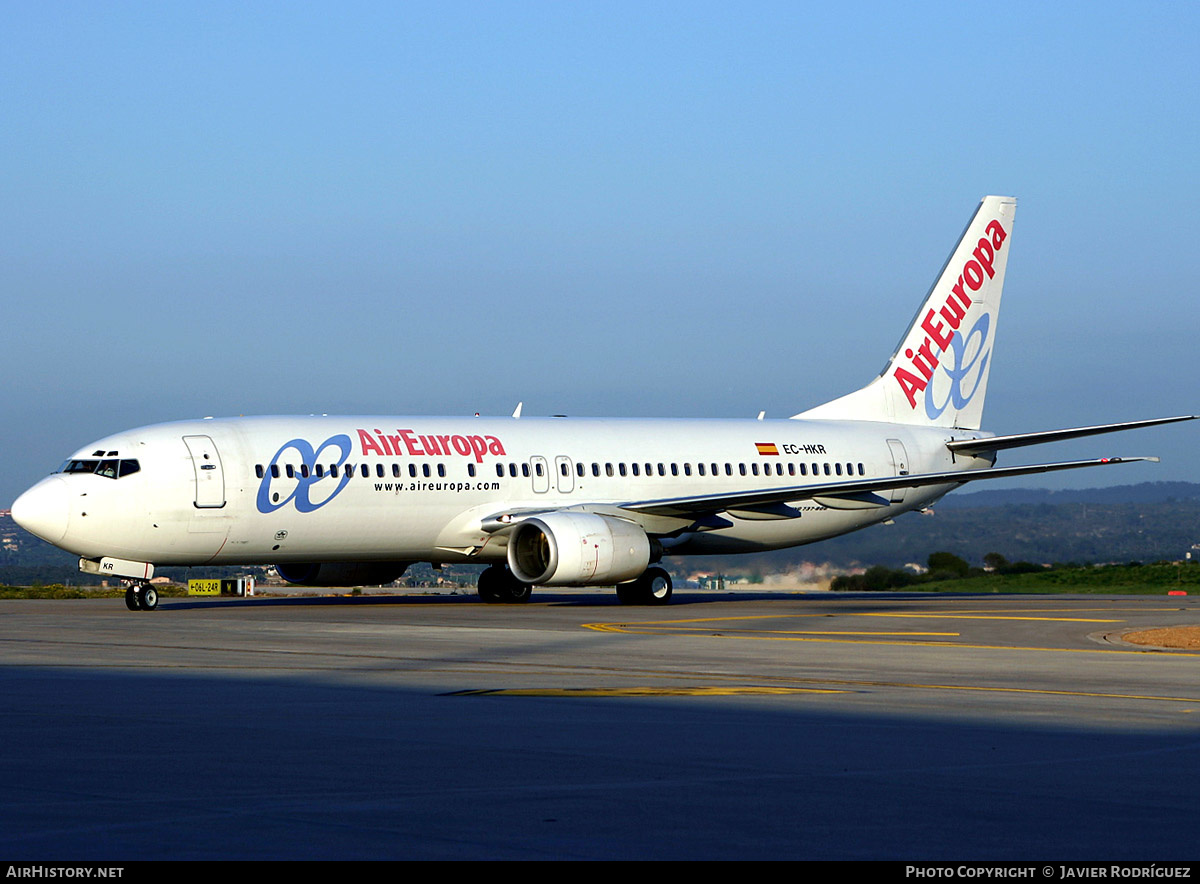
column 58, row 591
column 1153, row 579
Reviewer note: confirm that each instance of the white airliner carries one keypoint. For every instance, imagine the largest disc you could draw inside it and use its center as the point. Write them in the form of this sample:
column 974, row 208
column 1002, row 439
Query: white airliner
column 338, row 501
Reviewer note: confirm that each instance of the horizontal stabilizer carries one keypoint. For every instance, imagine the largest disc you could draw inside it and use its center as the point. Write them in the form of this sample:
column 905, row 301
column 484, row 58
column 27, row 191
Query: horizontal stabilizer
column 997, row 443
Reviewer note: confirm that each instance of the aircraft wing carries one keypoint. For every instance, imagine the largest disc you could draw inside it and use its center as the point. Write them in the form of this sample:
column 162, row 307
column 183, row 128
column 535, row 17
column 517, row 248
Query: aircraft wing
column 996, row 443
column 771, row 503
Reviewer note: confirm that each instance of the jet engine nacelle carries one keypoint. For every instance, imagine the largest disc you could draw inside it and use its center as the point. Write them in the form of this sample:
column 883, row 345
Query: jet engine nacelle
column 342, row 573
column 577, row 549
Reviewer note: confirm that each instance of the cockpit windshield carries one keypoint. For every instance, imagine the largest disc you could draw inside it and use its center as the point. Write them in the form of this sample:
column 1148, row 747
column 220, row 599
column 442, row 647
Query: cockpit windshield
column 112, row 469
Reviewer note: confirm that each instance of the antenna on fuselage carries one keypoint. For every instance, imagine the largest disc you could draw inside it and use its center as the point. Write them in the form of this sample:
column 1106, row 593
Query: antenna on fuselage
column 517, row 410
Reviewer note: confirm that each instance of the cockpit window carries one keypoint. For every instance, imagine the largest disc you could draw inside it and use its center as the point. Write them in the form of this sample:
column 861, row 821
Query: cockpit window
column 111, row 469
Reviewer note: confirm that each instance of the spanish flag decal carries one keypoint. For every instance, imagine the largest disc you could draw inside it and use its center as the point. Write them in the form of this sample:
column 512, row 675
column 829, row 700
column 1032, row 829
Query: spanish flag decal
column 767, row 448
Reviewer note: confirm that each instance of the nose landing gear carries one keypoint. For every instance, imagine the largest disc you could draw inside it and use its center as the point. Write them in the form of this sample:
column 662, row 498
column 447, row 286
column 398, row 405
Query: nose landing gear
column 141, row 597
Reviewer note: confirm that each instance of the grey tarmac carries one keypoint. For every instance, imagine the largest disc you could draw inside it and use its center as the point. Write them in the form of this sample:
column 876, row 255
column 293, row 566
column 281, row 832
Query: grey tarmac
column 735, row 726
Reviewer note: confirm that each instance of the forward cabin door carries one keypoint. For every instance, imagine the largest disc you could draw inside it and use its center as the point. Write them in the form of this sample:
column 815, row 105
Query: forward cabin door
column 210, row 477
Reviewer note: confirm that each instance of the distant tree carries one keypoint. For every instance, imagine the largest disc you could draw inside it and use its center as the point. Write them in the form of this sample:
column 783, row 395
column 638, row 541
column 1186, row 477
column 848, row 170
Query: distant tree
column 993, row 561
column 946, row 562
column 877, row 579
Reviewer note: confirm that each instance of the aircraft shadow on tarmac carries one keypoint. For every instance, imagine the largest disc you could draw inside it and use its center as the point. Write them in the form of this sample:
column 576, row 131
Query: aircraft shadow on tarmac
column 172, row 765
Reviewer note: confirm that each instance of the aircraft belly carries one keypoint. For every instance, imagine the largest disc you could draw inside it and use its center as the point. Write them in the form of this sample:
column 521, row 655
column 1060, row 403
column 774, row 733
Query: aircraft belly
column 374, row 533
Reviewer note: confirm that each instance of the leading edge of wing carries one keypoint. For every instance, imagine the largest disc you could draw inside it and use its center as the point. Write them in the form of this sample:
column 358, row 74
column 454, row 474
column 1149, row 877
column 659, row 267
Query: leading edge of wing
column 715, row 503
column 1016, row 440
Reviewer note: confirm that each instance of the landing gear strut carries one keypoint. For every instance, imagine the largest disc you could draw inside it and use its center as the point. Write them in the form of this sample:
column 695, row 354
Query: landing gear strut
column 141, row 597
column 497, row 584
column 652, row 588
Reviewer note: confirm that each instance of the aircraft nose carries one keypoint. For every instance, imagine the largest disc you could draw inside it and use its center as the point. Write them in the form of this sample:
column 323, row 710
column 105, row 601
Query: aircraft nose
column 44, row 510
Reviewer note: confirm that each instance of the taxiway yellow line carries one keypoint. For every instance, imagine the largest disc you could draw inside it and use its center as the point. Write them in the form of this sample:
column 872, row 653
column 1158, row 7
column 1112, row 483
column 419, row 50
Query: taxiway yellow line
column 663, row 628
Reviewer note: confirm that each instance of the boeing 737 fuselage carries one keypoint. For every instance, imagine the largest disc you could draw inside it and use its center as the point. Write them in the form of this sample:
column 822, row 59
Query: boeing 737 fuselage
column 338, row 501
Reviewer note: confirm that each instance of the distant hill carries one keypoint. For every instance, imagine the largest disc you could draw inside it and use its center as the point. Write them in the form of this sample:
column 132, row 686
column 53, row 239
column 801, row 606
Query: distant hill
column 1144, row 492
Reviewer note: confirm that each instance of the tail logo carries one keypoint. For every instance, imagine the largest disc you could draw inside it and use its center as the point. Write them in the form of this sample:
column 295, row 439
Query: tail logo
column 946, row 335
column 962, row 368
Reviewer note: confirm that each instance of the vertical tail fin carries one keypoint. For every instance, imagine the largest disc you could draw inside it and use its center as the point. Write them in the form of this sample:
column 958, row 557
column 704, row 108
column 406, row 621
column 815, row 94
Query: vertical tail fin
column 939, row 372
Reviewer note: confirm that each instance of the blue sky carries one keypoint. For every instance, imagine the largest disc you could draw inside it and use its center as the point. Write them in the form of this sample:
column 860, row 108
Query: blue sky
column 680, row 209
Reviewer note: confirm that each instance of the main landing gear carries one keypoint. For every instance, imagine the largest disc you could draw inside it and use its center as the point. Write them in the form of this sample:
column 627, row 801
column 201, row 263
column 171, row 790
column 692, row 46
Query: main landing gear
column 652, row 588
column 497, row 584
column 141, row 597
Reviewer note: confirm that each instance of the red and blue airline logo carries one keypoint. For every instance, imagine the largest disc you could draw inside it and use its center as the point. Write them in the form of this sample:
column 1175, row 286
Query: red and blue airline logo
column 969, row 352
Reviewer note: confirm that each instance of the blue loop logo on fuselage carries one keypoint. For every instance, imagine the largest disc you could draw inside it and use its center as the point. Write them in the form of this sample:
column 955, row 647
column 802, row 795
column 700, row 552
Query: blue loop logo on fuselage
column 958, row 371
column 301, row 494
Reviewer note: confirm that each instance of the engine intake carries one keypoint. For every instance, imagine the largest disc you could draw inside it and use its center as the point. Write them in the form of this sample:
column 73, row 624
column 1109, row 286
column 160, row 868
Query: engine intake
column 577, row 549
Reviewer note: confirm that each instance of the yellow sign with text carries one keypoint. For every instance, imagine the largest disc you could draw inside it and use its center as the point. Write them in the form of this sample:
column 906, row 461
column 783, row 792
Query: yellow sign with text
column 204, row 587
